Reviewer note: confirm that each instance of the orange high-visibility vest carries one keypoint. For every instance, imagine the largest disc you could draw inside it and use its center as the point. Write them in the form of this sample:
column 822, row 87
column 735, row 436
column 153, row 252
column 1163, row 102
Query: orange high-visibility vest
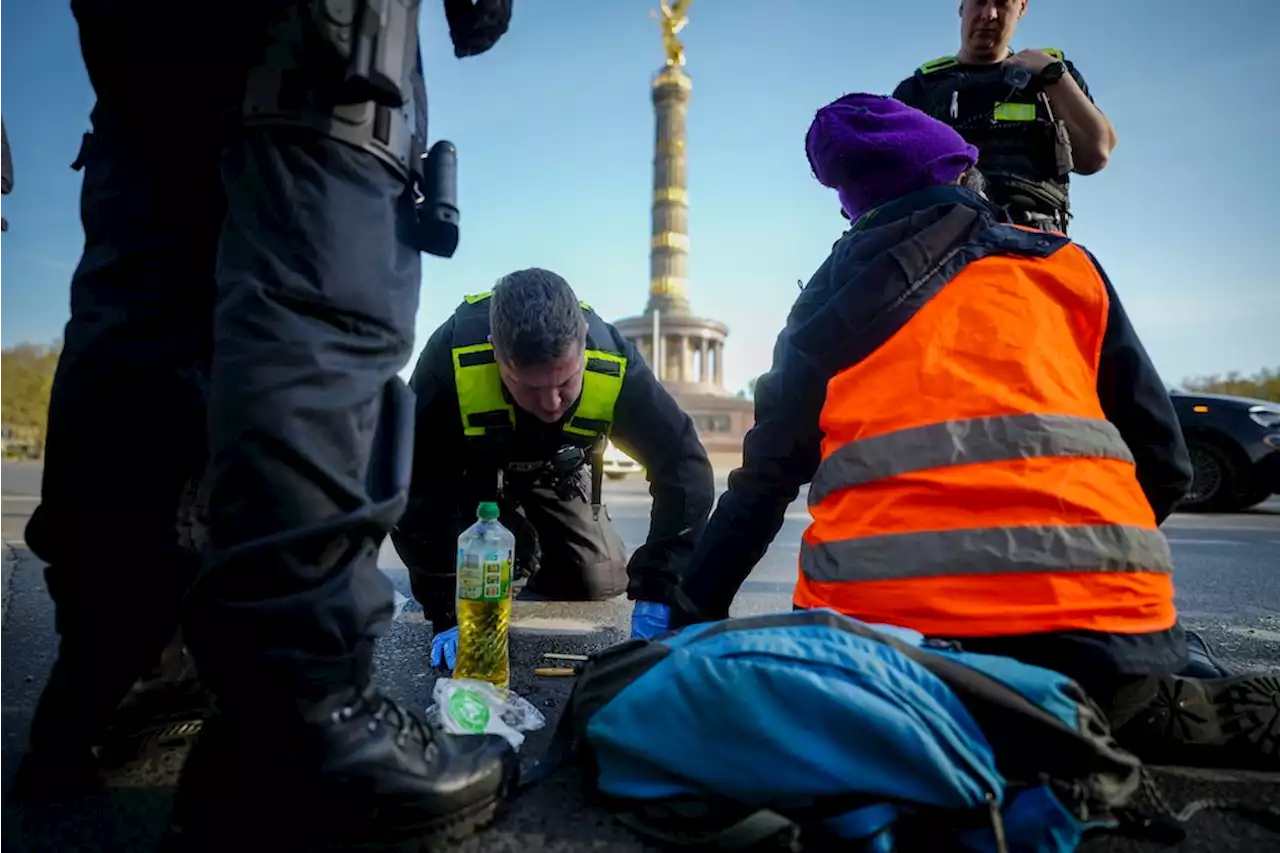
column 970, row 484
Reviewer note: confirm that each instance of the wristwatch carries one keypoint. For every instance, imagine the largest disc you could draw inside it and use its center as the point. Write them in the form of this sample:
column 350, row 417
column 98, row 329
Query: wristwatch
column 1052, row 72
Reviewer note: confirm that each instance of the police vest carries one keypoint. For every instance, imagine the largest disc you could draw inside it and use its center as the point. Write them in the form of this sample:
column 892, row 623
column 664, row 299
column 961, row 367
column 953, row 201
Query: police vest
column 1025, row 153
column 970, row 484
column 487, row 412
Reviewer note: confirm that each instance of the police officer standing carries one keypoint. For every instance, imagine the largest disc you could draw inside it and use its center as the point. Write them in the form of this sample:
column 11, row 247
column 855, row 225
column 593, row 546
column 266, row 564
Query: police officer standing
column 1029, row 113
column 517, row 394
column 245, row 298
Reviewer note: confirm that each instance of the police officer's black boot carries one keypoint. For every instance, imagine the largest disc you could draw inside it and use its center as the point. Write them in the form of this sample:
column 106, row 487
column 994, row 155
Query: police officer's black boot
column 82, row 733
column 356, row 771
column 123, row 684
column 164, row 709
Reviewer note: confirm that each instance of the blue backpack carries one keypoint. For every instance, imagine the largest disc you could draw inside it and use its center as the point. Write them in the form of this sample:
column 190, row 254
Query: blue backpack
column 818, row 727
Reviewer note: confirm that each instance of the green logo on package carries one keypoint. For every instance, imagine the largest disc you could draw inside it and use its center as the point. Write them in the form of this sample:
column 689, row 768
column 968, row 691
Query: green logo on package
column 469, row 710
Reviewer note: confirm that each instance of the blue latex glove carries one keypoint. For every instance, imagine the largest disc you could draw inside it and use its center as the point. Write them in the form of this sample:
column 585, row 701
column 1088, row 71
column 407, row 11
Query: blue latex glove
column 444, row 648
column 650, row 619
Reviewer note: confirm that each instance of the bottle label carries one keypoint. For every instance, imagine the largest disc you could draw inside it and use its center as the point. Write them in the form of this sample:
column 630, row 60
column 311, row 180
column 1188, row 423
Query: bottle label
column 484, row 576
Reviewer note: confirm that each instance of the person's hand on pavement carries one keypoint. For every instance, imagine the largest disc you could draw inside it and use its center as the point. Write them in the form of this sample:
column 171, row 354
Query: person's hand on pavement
column 650, row 619
column 444, row 649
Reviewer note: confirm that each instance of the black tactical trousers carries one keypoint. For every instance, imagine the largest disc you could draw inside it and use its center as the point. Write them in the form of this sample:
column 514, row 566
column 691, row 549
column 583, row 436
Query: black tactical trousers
column 243, row 302
column 573, row 555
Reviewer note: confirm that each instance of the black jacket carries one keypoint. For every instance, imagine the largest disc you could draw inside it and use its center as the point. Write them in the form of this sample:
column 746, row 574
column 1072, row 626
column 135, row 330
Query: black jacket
column 911, row 248
column 6, row 179
column 648, row 425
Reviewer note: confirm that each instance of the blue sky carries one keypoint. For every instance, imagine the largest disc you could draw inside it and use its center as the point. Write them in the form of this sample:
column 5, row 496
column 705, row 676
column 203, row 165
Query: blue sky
column 554, row 129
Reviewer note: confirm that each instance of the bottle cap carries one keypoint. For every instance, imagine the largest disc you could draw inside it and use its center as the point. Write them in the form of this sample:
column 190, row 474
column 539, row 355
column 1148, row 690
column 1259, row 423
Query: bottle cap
column 487, row 511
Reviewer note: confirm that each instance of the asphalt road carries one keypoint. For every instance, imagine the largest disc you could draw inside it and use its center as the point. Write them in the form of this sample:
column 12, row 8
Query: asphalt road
column 1228, row 580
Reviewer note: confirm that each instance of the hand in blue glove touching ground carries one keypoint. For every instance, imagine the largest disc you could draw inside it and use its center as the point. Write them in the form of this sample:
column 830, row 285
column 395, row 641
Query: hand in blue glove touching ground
column 650, row 619
column 444, row 648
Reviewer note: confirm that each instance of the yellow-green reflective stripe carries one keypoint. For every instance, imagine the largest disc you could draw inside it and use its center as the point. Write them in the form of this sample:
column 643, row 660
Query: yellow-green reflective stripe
column 965, row 442
column 601, row 384
column 988, row 551
column 1054, row 52
column 479, row 387
column 1015, row 112
column 938, row 64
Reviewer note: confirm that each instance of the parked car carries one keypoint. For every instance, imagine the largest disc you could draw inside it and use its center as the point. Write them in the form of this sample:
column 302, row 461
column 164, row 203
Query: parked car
column 618, row 465
column 1235, row 450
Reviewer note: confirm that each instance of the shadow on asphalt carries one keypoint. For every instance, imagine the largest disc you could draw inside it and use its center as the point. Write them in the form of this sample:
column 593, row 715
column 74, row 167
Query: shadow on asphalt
column 120, row 820
column 554, row 816
column 133, row 813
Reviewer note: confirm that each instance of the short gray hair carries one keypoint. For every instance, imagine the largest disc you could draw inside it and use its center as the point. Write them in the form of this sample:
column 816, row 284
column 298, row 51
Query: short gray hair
column 535, row 318
column 973, row 181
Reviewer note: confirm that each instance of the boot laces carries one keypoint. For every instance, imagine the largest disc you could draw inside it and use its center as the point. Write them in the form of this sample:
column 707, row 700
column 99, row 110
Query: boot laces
column 386, row 711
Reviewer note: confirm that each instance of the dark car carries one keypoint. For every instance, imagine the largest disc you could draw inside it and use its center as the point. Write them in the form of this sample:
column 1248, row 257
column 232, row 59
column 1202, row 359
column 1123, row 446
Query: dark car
column 1235, row 450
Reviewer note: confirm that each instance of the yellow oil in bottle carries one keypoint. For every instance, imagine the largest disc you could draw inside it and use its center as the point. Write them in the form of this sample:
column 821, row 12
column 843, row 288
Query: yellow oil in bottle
column 486, row 550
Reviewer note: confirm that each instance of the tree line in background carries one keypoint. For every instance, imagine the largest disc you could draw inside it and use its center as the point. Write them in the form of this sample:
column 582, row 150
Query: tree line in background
column 27, row 378
column 1263, row 385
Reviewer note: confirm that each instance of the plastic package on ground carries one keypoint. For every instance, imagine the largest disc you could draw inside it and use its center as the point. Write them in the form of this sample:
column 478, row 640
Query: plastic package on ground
column 465, row 706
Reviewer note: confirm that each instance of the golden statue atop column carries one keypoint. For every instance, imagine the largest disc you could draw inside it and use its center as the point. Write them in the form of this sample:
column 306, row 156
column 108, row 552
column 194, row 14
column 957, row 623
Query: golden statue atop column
column 672, row 18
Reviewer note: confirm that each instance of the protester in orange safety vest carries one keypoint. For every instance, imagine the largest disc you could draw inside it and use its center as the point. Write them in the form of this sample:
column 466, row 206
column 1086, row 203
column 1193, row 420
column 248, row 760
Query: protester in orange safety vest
column 989, row 448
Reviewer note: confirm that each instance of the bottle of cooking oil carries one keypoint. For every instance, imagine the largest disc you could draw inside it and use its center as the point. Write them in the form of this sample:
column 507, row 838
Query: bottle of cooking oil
column 486, row 550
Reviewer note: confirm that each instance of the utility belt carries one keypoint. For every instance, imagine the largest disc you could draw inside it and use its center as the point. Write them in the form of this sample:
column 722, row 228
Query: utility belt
column 1040, row 221
column 562, row 473
column 1031, row 203
column 351, row 70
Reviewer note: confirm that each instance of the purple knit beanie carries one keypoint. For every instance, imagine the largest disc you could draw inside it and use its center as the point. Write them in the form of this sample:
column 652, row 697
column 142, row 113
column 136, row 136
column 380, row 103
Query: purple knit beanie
column 871, row 149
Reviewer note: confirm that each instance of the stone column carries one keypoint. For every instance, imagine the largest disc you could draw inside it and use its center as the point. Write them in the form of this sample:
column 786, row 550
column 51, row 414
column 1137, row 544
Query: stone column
column 674, row 358
column 704, row 367
column 669, row 244
column 719, row 351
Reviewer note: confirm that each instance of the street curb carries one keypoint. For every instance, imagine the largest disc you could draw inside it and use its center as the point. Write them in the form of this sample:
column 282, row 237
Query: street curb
column 6, row 574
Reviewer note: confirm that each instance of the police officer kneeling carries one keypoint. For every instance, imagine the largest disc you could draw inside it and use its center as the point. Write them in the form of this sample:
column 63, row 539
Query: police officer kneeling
column 517, row 394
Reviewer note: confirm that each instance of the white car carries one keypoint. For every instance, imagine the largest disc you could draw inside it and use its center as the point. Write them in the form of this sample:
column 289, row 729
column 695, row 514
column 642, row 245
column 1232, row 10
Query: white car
column 618, row 465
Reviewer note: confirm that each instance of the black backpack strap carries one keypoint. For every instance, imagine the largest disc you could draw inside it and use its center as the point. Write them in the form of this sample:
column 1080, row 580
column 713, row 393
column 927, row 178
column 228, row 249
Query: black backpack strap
column 1156, row 820
column 560, row 750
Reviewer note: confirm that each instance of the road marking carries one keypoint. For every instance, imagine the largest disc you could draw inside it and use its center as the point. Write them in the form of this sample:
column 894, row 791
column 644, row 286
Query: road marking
column 1187, row 524
column 1174, row 540
column 553, row 626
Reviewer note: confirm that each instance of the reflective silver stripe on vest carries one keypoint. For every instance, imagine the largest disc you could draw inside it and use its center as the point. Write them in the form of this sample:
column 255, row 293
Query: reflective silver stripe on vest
column 988, row 551
column 965, row 442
